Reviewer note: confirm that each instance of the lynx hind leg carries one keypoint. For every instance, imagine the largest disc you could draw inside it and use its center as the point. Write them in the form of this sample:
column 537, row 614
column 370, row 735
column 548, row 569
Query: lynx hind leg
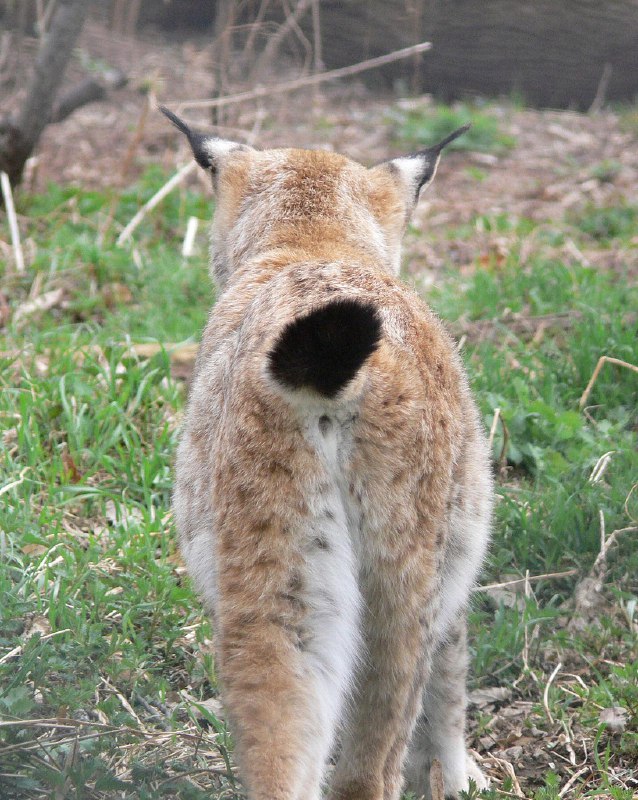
column 287, row 659
column 440, row 730
column 388, row 691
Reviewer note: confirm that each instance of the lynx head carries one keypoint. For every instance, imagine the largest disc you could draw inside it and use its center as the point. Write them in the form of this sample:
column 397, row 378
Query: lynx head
column 310, row 200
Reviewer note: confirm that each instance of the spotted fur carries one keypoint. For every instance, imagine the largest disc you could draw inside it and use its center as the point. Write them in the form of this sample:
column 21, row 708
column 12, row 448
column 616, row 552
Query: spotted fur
column 335, row 525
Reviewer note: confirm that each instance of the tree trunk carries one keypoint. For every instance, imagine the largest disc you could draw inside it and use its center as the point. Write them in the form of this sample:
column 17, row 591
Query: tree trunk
column 551, row 53
column 20, row 135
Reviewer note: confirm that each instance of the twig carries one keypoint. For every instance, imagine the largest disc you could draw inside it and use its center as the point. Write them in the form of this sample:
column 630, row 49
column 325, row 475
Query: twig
column 276, row 40
column 546, row 692
column 17, row 650
column 137, row 136
column 526, row 636
column 572, row 781
column 157, row 198
column 603, row 360
column 125, row 703
column 5, row 50
column 316, row 37
column 7, row 196
column 12, row 484
column 255, row 25
column 497, row 414
column 487, row 329
column 600, row 467
column 300, row 83
column 528, row 579
column 599, row 563
column 626, row 503
column 601, row 91
column 502, row 460
column 509, row 769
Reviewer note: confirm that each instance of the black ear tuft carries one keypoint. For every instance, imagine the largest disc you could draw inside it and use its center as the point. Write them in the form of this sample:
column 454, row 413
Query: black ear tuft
column 454, row 135
column 196, row 140
column 431, row 156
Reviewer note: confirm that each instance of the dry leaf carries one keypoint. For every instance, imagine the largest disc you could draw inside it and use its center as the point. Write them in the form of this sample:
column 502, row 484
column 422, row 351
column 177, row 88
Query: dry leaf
column 37, row 624
column 5, row 310
column 34, row 549
column 70, row 467
column 493, row 694
column 615, row 718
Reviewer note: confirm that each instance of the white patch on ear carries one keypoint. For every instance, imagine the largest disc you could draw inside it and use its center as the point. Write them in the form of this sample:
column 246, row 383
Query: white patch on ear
column 218, row 148
column 416, row 172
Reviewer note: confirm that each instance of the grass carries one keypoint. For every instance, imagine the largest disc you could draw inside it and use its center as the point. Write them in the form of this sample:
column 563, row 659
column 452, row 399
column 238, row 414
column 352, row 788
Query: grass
column 422, row 126
column 105, row 657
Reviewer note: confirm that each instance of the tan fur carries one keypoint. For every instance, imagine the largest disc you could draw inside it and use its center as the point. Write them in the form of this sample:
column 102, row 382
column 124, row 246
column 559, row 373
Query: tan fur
column 257, row 500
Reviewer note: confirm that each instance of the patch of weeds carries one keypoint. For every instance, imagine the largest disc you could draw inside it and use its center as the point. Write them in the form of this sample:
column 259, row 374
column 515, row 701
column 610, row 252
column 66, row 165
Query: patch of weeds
column 628, row 119
column 617, row 222
column 606, row 171
column 476, row 173
column 422, row 127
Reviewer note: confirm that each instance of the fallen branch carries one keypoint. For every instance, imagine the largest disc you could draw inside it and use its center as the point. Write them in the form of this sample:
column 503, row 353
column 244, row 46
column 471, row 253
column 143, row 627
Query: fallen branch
column 166, row 189
column 601, row 361
column 300, row 83
column 7, row 196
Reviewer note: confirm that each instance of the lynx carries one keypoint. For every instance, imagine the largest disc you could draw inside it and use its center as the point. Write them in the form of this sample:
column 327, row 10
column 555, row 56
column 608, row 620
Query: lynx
column 333, row 488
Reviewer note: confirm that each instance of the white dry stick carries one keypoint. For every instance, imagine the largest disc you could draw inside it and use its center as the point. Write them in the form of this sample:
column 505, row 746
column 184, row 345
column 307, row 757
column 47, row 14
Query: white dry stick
column 166, row 189
column 572, row 781
column 12, row 484
column 518, row 582
column 497, row 414
column 13, row 221
column 546, row 692
column 189, row 237
column 600, row 467
column 528, row 592
column 17, row 650
column 300, row 83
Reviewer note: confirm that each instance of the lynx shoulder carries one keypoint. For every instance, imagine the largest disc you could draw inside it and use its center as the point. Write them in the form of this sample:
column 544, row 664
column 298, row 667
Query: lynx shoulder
column 333, row 489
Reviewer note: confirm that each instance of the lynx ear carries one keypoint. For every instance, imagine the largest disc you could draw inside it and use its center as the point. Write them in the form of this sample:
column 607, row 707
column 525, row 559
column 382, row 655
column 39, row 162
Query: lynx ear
column 417, row 170
column 207, row 150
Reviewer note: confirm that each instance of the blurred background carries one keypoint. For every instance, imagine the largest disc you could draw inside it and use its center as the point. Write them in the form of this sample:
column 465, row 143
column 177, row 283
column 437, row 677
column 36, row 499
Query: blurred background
column 113, row 54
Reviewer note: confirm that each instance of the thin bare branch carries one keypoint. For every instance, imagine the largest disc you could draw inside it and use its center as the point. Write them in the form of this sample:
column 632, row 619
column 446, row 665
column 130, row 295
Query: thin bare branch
column 301, row 83
column 601, row 361
column 166, row 189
